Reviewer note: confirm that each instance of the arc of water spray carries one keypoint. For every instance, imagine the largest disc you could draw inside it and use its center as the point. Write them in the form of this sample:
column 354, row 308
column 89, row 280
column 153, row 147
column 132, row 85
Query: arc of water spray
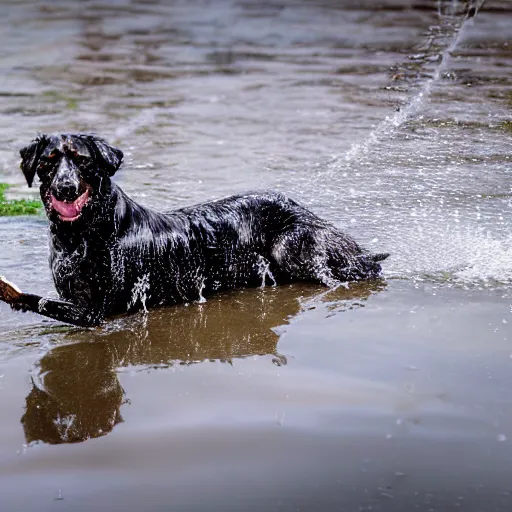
column 391, row 123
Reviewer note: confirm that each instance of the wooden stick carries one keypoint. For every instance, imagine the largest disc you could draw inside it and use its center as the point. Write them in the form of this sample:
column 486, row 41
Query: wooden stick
column 8, row 292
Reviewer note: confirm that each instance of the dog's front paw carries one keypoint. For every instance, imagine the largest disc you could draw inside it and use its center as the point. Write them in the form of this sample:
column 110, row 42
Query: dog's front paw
column 9, row 292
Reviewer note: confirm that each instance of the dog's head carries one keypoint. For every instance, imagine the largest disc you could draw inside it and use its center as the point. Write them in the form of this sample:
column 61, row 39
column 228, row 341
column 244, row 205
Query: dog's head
column 74, row 170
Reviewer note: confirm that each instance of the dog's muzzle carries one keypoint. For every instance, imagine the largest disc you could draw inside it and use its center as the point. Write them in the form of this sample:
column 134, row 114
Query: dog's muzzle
column 68, row 195
column 66, row 190
column 70, row 210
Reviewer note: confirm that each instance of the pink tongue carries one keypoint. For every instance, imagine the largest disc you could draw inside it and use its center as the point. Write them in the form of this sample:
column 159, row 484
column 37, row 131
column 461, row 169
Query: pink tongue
column 70, row 209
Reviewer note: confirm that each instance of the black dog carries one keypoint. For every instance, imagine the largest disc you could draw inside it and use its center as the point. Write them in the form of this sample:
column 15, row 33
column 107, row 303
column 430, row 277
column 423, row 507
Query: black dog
column 110, row 255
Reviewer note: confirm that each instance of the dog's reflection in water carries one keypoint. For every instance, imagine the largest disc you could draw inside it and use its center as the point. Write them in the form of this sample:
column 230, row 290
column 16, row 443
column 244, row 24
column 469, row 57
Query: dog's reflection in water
column 76, row 394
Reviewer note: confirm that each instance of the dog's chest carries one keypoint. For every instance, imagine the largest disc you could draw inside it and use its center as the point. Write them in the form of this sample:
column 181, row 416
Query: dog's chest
column 78, row 273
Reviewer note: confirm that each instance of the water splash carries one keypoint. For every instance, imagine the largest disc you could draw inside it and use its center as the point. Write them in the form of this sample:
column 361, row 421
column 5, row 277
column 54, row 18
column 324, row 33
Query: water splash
column 465, row 257
column 201, row 287
column 140, row 292
column 64, row 425
column 489, row 261
column 451, row 29
column 418, row 184
column 264, row 271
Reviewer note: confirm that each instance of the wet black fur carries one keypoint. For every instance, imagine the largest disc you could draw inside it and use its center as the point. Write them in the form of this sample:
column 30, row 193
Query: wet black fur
column 121, row 257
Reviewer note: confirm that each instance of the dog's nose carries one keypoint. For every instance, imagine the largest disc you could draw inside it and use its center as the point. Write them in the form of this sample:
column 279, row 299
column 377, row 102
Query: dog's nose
column 65, row 190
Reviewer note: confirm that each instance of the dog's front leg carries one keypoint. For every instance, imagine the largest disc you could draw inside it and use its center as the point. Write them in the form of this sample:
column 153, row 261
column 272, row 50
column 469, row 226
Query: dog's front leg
column 52, row 308
column 58, row 310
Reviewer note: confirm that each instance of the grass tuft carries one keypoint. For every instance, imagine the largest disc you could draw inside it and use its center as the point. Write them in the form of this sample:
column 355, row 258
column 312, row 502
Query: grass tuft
column 507, row 126
column 17, row 206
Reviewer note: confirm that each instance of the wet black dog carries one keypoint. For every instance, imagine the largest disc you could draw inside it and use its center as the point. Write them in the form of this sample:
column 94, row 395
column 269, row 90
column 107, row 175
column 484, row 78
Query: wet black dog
column 110, row 255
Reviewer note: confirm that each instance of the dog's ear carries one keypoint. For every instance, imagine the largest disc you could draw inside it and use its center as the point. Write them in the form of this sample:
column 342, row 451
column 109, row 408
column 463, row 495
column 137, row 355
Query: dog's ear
column 109, row 157
column 30, row 156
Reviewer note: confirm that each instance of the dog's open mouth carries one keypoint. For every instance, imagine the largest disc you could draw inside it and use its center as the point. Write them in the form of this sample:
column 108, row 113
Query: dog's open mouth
column 70, row 211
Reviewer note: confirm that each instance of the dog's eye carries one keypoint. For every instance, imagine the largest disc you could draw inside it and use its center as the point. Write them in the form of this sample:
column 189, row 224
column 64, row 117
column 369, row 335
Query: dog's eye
column 48, row 162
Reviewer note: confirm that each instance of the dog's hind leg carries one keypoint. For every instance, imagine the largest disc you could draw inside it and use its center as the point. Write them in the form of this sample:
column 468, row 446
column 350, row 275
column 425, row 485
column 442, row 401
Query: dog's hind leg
column 52, row 308
column 322, row 253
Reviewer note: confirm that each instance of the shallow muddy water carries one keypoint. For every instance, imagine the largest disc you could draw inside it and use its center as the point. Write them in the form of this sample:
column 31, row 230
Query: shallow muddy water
column 390, row 119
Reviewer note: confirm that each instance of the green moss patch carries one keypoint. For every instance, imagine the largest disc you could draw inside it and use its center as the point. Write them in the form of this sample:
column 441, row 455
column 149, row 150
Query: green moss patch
column 17, row 206
column 507, row 126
